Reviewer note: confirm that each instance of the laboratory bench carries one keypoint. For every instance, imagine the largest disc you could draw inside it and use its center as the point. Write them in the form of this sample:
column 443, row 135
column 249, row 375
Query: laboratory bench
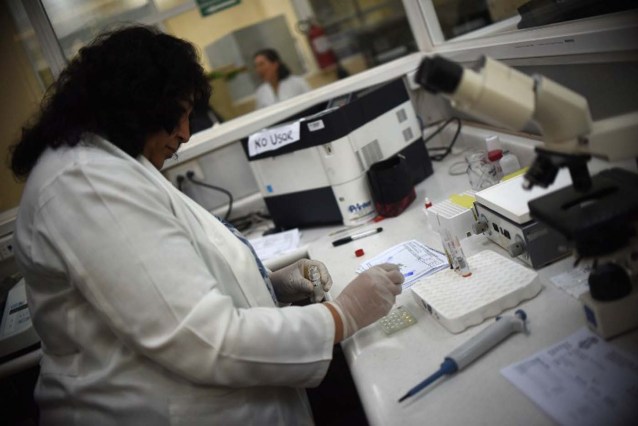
column 384, row 367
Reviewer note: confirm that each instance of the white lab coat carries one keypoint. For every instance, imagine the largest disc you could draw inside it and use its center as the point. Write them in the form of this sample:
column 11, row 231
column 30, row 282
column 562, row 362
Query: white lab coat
column 288, row 88
column 150, row 310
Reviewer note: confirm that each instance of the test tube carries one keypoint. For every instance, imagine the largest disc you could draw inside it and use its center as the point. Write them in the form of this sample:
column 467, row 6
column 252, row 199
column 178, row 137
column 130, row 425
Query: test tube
column 447, row 251
column 463, row 267
column 315, row 278
column 453, row 249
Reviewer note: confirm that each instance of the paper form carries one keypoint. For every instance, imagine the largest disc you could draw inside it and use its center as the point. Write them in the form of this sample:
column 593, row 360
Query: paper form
column 415, row 261
column 275, row 244
column 573, row 282
column 582, row 380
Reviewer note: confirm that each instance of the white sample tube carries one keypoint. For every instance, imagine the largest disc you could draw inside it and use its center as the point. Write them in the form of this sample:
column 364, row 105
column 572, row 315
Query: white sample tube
column 315, row 278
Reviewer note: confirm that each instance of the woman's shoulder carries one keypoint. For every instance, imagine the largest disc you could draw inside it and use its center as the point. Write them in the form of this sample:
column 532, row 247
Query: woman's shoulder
column 263, row 88
column 264, row 96
column 294, row 79
column 297, row 82
column 91, row 160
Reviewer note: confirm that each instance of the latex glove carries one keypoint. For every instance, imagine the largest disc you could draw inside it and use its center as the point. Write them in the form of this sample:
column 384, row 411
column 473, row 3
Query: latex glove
column 291, row 283
column 368, row 297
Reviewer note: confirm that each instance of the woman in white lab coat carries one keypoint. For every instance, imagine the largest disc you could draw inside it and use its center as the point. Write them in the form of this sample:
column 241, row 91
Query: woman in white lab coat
column 150, row 310
column 278, row 83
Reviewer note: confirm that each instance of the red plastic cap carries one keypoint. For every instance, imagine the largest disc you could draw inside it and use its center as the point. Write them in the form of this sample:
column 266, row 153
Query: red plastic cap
column 495, row 155
column 428, row 203
column 359, row 252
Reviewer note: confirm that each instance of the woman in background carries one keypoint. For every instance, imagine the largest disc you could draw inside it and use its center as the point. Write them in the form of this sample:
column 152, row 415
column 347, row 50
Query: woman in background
column 279, row 84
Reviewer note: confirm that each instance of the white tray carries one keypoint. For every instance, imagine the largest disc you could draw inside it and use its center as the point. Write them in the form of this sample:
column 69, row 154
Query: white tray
column 496, row 284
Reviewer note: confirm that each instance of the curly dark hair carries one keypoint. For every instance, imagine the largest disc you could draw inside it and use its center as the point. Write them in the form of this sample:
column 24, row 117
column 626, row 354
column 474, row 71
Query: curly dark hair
column 126, row 85
column 273, row 56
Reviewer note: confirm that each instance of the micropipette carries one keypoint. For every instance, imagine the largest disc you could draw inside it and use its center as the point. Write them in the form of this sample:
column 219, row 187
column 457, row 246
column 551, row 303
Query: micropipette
column 474, row 348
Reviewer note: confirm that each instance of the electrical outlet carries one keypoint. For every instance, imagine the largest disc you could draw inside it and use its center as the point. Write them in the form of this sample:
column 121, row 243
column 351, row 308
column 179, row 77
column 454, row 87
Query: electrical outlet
column 182, row 169
column 6, row 247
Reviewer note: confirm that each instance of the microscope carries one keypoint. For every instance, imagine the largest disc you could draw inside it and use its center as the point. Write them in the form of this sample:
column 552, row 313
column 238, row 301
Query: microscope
column 597, row 214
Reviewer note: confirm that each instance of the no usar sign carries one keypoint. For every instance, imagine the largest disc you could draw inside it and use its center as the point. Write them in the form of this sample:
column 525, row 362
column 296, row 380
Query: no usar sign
column 272, row 139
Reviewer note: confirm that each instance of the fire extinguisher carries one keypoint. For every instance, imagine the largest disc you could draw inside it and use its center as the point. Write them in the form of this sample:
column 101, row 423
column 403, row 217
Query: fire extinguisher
column 319, row 43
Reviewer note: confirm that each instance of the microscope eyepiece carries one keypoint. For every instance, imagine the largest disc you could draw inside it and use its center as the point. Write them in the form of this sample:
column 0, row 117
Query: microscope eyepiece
column 437, row 74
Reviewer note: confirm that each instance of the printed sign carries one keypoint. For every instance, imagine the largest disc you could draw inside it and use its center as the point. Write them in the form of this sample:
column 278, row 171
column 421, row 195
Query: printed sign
column 208, row 7
column 273, row 139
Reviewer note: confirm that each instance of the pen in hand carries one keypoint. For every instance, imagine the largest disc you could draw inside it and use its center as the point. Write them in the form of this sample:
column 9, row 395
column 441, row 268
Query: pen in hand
column 353, row 237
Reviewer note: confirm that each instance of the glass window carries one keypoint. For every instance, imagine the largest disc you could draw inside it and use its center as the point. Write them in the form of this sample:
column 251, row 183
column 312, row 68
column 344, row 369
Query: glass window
column 458, row 19
column 165, row 5
column 377, row 29
column 77, row 22
column 25, row 74
column 332, row 40
column 25, row 35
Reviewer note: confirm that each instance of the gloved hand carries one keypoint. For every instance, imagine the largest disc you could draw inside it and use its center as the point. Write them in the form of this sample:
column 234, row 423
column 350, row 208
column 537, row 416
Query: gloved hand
column 291, row 283
column 368, row 297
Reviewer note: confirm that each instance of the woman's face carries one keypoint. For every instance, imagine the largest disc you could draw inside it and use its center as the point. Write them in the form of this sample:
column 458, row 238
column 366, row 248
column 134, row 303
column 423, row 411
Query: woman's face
column 266, row 69
column 161, row 146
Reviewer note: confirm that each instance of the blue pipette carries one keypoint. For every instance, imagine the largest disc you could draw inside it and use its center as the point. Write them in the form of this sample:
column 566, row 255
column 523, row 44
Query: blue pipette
column 474, row 348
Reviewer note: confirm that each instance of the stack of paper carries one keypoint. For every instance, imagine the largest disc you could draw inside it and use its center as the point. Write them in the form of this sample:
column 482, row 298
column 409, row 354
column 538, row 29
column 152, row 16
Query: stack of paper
column 581, row 380
column 276, row 244
column 415, row 261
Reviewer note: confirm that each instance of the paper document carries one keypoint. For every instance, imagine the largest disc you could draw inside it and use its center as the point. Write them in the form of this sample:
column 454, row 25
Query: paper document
column 276, row 244
column 582, row 380
column 414, row 259
column 574, row 282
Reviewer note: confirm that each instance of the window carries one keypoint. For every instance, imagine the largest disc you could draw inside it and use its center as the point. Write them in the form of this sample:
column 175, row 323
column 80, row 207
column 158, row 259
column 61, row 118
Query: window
column 378, row 29
column 361, row 33
column 606, row 32
column 21, row 89
column 464, row 19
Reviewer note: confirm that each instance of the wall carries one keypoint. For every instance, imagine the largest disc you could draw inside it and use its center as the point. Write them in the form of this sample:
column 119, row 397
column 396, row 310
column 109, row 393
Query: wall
column 610, row 87
column 20, row 94
column 227, row 168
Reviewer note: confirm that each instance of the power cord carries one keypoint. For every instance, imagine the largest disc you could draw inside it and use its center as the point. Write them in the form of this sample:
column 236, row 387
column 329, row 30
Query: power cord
column 448, row 149
column 458, row 168
column 242, row 223
column 190, row 175
column 255, row 220
column 180, row 182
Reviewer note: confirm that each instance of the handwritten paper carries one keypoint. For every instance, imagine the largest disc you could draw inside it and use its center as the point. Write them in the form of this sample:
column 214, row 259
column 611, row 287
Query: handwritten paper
column 582, row 380
column 415, row 261
column 273, row 139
